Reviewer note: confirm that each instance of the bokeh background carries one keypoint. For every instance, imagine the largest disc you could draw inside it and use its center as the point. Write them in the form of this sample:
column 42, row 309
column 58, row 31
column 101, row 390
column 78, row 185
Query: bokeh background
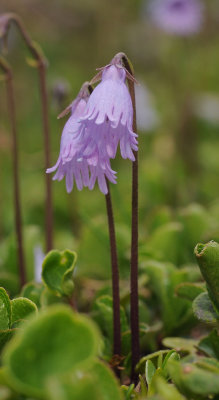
column 178, row 118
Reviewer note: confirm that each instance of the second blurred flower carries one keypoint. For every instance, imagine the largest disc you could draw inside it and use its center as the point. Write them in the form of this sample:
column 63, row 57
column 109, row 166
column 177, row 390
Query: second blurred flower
column 180, row 17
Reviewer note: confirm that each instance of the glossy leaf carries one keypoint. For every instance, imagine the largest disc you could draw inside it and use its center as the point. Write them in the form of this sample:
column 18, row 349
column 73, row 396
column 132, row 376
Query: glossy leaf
column 180, row 344
column 207, row 256
column 57, row 272
column 189, row 290
column 22, row 308
column 83, row 388
column 204, row 310
column 55, row 341
column 95, row 383
column 149, row 371
column 193, row 380
column 210, row 344
column 107, row 384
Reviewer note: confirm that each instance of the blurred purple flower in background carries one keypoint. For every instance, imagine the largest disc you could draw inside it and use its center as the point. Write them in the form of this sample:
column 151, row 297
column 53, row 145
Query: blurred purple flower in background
column 60, row 91
column 38, row 262
column 147, row 116
column 180, row 17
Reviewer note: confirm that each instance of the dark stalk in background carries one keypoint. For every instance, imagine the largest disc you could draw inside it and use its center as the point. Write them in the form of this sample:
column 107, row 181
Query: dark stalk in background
column 40, row 64
column 115, row 276
column 135, row 343
column 17, row 208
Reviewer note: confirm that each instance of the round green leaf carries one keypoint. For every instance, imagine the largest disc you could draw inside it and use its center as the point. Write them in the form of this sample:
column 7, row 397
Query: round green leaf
column 57, row 271
column 83, row 388
column 96, row 383
column 55, row 341
column 180, row 344
column 107, row 384
column 204, row 310
column 194, row 380
column 22, row 308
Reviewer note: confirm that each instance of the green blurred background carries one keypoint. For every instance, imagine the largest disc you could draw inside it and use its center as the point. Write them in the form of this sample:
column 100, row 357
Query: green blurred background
column 179, row 162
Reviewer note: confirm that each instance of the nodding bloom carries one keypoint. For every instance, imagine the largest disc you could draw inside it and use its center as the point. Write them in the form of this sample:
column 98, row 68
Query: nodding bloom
column 72, row 163
column 108, row 118
column 99, row 122
column 180, row 17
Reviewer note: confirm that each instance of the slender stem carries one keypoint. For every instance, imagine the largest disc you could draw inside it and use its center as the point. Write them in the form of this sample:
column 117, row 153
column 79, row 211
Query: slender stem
column 134, row 240
column 17, row 208
column 5, row 22
column 115, row 277
column 115, row 270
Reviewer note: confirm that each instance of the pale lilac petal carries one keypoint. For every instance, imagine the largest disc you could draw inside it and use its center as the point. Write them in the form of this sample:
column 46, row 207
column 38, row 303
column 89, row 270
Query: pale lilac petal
column 85, row 173
column 102, row 183
column 93, row 160
column 52, row 169
column 112, row 121
column 92, row 178
column 69, row 180
column 78, row 178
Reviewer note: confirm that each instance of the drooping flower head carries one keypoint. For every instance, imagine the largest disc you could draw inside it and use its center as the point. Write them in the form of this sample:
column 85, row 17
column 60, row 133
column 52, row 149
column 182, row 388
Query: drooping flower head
column 109, row 117
column 71, row 163
column 180, row 17
column 99, row 122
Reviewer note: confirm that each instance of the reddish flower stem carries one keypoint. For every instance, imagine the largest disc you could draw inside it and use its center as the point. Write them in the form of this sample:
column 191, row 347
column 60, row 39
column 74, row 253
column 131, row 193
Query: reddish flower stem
column 17, row 208
column 115, row 270
column 5, row 22
column 115, row 276
column 135, row 343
